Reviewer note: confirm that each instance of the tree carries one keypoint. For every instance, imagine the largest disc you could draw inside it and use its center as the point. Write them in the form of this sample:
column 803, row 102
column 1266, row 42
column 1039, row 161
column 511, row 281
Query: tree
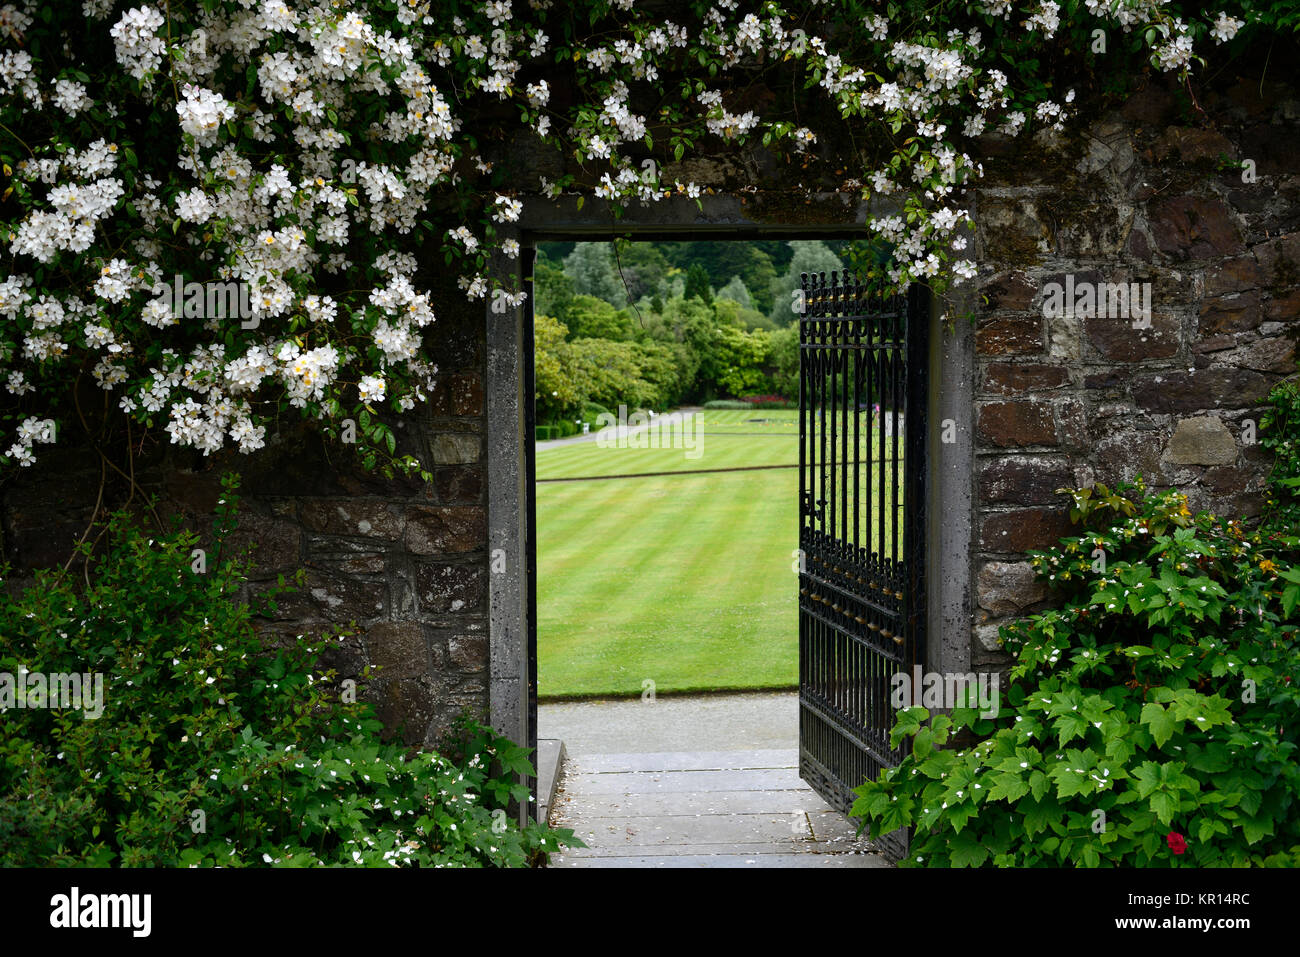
column 557, row 389
column 809, row 256
column 592, row 318
column 785, row 361
column 697, row 284
column 610, row 373
column 591, row 267
column 642, row 265
column 736, row 291
column 741, row 359
column 552, row 287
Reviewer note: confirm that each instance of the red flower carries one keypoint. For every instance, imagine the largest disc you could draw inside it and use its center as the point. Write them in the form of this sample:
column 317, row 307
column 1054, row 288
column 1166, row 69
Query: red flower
column 1177, row 843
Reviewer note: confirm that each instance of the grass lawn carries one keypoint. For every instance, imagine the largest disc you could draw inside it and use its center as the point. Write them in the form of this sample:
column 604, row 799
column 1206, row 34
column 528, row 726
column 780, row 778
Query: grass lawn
column 682, row 579
column 723, row 439
column 685, row 579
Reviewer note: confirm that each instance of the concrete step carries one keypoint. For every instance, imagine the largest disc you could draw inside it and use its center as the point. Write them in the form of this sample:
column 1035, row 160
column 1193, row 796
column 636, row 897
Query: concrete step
column 701, row 809
column 689, row 857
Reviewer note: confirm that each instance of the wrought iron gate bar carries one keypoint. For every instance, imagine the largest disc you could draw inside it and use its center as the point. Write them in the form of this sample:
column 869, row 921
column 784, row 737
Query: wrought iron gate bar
column 861, row 493
column 876, row 746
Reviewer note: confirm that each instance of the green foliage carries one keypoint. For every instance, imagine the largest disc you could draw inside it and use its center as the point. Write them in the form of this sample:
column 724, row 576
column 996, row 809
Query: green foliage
column 1158, row 700
column 784, row 356
column 1277, row 16
column 740, row 357
column 642, row 267
column 680, row 342
column 552, row 288
column 697, row 284
column 591, row 318
column 736, row 291
column 809, row 256
column 555, row 371
column 591, row 268
column 216, row 748
column 1280, row 435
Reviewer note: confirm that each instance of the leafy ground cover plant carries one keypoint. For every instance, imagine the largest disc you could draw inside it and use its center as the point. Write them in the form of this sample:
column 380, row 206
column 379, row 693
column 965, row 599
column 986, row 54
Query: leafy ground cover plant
column 1151, row 720
column 213, row 749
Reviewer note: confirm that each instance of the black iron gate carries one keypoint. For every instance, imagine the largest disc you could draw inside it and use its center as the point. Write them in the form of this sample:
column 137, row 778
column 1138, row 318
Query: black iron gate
column 862, row 466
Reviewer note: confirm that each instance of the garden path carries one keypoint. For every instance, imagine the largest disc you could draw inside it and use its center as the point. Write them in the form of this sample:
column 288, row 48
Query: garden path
column 693, row 781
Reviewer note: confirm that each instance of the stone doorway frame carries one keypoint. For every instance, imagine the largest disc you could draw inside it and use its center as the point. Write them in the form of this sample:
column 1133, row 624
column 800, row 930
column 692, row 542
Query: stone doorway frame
column 508, row 388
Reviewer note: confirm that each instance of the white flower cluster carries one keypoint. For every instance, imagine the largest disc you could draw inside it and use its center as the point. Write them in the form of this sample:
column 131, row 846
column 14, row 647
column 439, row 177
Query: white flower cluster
column 31, row 431
column 137, row 44
column 356, row 119
column 202, row 112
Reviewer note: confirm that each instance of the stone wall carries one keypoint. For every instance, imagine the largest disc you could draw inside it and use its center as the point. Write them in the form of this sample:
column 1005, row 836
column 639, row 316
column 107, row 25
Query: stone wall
column 1146, row 194
column 406, row 561
column 1139, row 195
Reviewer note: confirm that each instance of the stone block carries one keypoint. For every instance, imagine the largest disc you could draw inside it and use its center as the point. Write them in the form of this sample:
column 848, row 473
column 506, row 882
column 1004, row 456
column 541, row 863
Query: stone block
column 1195, row 147
column 1023, row 480
column 456, row 448
column 1024, row 529
column 458, row 394
column 1116, row 339
column 1200, row 389
column 459, row 484
column 987, row 636
column 1279, row 259
column 468, row 653
column 451, row 588
column 399, row 649
column 1274, row 354
column 1194, row 227
column 1009, row 335
column 272, row 544
column 1013, row 228
column 1012, row 291
column 1010, row 378
column 377, row 520
column 345, row 555
column 1236, row 312
column 1017, row 423
column 1201, row 441
column 1009, row 588
column 1239, row 274
column 432, row 530
column 1284, row 307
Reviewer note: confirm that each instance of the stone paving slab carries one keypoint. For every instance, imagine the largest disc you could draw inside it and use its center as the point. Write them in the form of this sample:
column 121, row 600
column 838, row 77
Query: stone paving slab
column 830, row 825
column 724, row 860
column 716, row 722
column 753, row 811
column 638, row 782
column 693, row 802
column 693, row 781
column 800, row 849
column 605, row 833
column 687, row 761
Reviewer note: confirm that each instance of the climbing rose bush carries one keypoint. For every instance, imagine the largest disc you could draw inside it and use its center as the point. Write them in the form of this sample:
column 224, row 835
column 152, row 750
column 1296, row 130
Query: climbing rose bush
column 308, row 150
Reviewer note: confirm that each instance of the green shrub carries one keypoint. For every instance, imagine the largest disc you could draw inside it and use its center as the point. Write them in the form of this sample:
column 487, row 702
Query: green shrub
column 591, row 413
column 213, row 749
column 732, row 404
column 1155, row 709
column 1280, row 435
column 545, row 433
